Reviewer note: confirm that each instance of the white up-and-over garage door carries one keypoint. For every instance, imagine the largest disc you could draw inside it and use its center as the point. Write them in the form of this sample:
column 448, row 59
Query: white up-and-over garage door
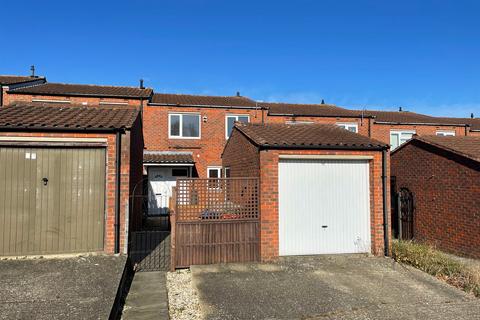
column 324, row 206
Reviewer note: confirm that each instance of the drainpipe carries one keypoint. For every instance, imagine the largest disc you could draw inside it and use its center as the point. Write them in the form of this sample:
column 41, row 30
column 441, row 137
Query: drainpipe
column 118, row 165
column 386, row 241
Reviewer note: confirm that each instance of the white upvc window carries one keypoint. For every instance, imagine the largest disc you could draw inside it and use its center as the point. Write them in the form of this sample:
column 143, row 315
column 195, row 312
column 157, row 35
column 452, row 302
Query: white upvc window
column 445, row 133
column 350, row 126
column 184, row 126
column 230, row 121
column 226, row 172
column 397, row 138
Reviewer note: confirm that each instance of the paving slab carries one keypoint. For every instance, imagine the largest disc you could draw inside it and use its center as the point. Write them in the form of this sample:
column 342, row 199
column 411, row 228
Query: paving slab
column 147, row 297
column 328, row 287
column 82, row 287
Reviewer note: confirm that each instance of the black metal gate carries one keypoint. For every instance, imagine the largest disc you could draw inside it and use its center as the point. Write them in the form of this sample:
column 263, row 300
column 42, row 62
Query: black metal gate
column 149, row 250
column 405, row 214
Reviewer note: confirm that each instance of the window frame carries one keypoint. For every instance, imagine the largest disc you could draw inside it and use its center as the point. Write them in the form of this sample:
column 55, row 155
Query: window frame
column 399, row 133
column 211, row 184
column 348, row 124
column 225, row 170
column 181, row 114
column 236, row 115
column 445, row 133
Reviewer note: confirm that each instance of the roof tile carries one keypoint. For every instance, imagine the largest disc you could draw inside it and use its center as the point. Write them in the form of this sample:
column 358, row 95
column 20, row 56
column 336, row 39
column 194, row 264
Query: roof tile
column 196, row 100
column 167, row 157
column 467, row 146
column 84, row 90
column 305, row 136
column 27, row 116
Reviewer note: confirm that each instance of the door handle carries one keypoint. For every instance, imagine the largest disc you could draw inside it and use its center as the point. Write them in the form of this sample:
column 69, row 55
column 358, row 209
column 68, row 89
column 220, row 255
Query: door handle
column 324, row 227
column 45, row 181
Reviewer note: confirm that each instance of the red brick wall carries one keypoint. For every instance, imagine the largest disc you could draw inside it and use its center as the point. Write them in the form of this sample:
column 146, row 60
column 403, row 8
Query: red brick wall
column 268, row 164
column 208, row 149
column 110, row 179
column 241, row 156
column 363, row 124
column 446, row 191
column 382, row 131
column 474, row 133
column 11, row 97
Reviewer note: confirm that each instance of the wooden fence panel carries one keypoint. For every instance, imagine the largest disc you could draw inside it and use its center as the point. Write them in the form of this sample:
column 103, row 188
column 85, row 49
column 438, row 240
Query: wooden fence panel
column 215, row 221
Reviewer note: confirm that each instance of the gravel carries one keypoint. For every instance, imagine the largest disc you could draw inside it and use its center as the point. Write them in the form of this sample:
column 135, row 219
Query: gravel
column 182, row 296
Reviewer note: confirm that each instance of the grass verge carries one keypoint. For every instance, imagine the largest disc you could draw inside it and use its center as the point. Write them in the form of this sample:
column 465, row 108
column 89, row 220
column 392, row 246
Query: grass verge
column 438, row 264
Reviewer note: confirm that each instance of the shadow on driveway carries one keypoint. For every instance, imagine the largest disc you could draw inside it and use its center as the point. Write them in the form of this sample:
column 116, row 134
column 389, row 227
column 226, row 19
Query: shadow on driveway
column 81, row 287
column 328, row 287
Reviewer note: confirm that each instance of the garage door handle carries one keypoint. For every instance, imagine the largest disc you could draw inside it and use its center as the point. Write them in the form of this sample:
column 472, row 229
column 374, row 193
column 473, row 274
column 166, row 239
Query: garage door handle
column 45, row 181
column 324, row 227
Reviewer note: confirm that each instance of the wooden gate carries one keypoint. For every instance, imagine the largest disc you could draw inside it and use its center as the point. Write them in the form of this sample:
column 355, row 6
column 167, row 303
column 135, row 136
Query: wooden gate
column 215, row 221
column 405, row 213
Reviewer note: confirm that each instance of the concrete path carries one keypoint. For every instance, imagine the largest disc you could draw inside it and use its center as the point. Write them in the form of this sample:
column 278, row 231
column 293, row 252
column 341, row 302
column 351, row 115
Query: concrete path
column 328, row 287
column 147, row 298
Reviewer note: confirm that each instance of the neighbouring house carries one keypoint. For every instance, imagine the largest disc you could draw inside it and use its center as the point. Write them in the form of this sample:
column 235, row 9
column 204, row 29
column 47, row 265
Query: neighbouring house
column 290, row 113
column 397, row 127
column 66, row 178
column 185, row 136
column 80, row 94
column 321, row 187
column 443, row 176
column 8, row 82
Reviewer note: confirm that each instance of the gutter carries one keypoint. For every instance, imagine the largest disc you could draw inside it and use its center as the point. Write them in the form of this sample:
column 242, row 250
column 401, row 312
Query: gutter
column 60, row 129
column 386, row 240
column 202, row 106
column 323, row 147
column 118, row 164
column 317, row 115
column 424, row 124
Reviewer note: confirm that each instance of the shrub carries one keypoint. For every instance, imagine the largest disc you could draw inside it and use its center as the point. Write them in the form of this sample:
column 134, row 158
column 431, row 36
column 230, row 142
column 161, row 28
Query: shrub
column 438, row 264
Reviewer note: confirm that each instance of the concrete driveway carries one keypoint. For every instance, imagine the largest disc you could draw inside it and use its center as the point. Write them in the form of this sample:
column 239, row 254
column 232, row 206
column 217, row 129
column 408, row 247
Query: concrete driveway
column 328, row 287
column 67, row 288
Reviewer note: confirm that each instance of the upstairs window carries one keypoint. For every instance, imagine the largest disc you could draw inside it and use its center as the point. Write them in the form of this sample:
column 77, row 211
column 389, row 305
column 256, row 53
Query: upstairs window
column 446, row 133
column 184, row 126
column 230, row 121
column 353, row 127
column 397, row 138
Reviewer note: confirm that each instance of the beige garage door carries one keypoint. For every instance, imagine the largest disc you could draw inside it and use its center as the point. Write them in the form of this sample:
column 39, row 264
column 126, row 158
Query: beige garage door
column 52, row 200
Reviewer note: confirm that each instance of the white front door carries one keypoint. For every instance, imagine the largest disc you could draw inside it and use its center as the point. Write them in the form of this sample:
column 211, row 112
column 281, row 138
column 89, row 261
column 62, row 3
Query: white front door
column 160, row 183
column 324, row 207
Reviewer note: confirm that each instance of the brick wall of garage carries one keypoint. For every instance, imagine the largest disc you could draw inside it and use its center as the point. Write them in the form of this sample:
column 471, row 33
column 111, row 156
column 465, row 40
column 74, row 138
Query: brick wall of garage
column 446, row 191
column 474, row 133
column 208, row 149
column 363, row 124
column 241, row 156
column 110, row 179
column 12, row 97
column 381, row 132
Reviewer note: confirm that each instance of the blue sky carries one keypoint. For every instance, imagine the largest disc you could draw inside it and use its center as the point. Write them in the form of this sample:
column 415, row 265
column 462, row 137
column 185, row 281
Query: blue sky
column 422, row 55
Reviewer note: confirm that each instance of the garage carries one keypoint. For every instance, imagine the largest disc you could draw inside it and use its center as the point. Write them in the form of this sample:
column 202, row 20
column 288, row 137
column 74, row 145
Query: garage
column 66, row 175
column 323, row 206
column 52, row 199
column 323, row 189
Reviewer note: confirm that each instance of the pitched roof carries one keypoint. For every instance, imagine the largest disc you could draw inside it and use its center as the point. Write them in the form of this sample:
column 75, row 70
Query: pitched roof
column 306, row 136
column 167, row 157
column 466, row 146
column 474, row 123
column 407, row 117
column 8, row 80
column 196, row 100
column 62, row 89
column 314, row 110
column 27, row 116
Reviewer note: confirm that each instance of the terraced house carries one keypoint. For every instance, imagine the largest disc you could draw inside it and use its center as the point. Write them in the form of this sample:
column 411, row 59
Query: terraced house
column 180, row 135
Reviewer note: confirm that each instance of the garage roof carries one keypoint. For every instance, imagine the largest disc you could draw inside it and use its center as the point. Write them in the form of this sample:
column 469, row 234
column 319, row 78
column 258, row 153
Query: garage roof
column 306, row 136
column 167, row 157
column 466, row 146
column 27, row 116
